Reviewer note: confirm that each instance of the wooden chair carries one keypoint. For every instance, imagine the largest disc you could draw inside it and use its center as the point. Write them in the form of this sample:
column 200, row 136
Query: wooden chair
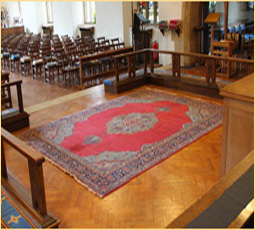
column 100, row 39
column 25, row 63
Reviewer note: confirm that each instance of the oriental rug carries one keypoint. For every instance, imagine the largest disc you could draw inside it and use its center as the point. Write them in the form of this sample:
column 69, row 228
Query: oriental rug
column 106, row 146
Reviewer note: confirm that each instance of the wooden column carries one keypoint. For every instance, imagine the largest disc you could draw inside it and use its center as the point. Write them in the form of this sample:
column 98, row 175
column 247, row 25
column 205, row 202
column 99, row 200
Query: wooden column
column 20, row 100
column 37, row 186
column 3, row 161
column 176, row 65
column 147, row 10
column 152, row 64
column 226, row 20
column 145, row 63
column 116, row 65
column 211, row 37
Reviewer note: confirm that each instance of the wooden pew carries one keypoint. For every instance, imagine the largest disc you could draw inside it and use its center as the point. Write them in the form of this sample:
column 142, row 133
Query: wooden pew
column 34, row 205
column 87, row 60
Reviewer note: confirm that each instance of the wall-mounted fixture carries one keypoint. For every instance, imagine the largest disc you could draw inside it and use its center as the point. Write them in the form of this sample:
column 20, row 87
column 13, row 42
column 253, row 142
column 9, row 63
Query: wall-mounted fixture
column 174, row 24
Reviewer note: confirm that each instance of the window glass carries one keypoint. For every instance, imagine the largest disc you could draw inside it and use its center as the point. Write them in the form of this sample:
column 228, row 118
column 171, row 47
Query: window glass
column 89, row 12
column 49, row 12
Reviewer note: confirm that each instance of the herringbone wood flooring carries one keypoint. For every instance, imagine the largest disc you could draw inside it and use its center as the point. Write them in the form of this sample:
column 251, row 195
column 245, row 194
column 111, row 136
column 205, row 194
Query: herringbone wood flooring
column 152, row 199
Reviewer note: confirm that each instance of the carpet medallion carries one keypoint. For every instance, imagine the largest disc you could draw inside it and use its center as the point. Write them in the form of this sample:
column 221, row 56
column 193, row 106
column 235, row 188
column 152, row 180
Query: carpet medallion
column 107, row 145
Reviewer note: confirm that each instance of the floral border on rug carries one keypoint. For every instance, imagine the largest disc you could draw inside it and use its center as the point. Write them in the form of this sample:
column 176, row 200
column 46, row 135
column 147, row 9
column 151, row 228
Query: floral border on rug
column 103, row 182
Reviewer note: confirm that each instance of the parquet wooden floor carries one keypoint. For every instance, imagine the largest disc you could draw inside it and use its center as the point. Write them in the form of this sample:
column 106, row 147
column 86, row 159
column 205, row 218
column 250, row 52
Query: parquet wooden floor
column 151, row 200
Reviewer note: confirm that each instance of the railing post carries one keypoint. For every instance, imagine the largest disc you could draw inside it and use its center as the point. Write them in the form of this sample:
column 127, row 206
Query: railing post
column 3, row 161
column 129, row 66
column 145, row 63
column 116, row 64
column 210, row 70
column 20, row 100
column 81, row 74
column 152, row 63
column 37, row 187
column 134, row 65
column 176, row 66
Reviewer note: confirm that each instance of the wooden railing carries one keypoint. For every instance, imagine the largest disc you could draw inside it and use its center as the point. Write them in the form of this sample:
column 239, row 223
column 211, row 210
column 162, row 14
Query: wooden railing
column 209, row 60
column 19, row 92
column 130, row 57
column 36, row 206
column 209, row 67
column 95, row 58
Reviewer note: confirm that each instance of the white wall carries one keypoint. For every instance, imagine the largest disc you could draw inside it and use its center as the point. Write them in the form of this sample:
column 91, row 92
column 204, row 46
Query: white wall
column 66, row 17
column 77, row 16
column 29, row 17
column 62, row 15
column 41, row 15
column 109, row 20
column 13, row 11
column 167, row 11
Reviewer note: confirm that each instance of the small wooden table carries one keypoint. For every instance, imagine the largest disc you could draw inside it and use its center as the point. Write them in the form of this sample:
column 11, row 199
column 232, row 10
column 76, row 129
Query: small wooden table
column 238, row 122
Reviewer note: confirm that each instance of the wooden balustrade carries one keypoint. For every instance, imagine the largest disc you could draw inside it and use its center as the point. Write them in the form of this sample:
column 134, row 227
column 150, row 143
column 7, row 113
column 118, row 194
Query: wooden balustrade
column 208, row 86
column 36, row 205
column 210, row 68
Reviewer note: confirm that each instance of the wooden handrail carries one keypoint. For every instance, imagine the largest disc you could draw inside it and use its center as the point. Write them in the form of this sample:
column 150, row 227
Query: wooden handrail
column 130, row 53
column 20, row 146
column 37, row 205
column 18, row 82
column 104, row 54
column 203, row 56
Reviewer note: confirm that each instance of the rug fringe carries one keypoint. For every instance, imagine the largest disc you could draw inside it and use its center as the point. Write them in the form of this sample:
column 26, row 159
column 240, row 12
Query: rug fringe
column 73, row 176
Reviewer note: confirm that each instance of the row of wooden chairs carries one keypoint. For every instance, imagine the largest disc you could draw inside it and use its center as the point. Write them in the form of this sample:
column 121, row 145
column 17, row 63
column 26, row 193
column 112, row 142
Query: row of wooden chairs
column 57, row 57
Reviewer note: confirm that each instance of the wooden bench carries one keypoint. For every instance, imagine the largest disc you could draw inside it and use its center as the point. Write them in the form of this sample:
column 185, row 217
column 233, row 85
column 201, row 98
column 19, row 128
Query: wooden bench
column 94, row 61
column 34, row 204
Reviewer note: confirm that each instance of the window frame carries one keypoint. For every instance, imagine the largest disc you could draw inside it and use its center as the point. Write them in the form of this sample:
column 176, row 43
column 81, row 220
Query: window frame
column 49, row 3
column 84, row 14
column 155, row 9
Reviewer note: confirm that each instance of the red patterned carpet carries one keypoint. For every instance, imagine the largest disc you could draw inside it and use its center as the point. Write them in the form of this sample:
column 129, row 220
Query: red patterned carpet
column 107, row 145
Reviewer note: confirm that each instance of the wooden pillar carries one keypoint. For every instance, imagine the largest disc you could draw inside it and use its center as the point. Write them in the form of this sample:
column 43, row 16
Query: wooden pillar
column 176, row 65
column 211, row 37
column 226, row 20
column 155, row 12
column 116, row 65
column 152, row 64
column 147, row 10
column 129, row 66
column 199, row 26
column 145, row 63
column 3, row 161
column 37, row 187
column 210, row 70
column 20, row 100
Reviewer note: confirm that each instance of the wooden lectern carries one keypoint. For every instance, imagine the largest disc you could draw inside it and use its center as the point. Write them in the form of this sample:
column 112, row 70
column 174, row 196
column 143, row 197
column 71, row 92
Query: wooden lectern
column 212, row 19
